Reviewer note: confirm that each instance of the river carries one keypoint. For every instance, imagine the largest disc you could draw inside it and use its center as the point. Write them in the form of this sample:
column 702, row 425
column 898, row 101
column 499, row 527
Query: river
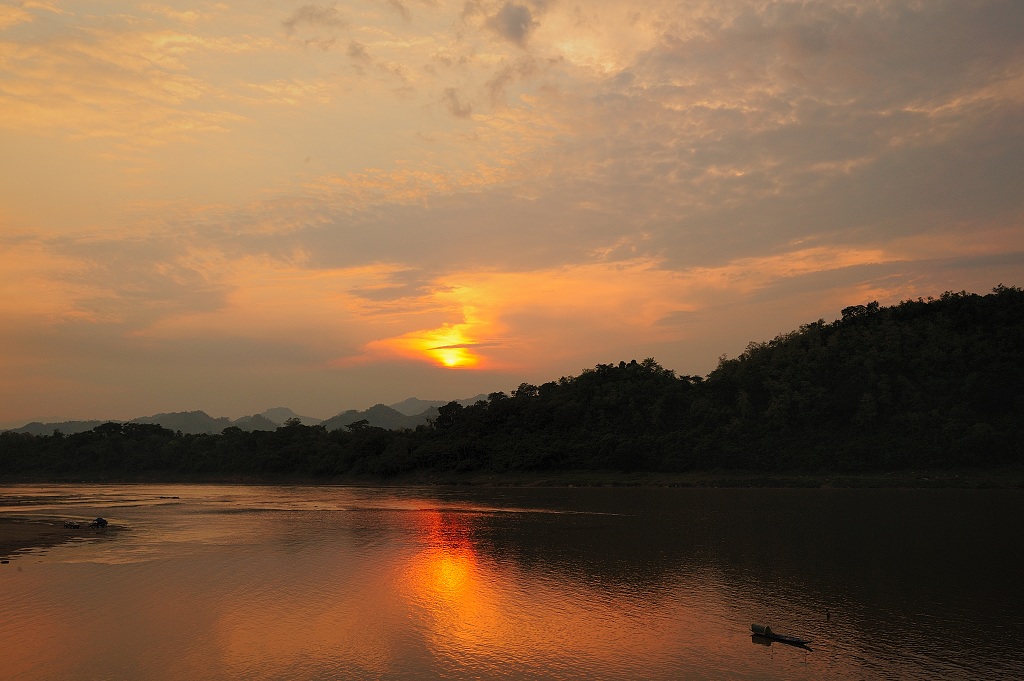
column 327, row 582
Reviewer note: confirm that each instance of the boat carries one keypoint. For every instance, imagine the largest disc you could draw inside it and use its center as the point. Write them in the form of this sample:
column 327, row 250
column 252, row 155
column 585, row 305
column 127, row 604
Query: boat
column 765, row 632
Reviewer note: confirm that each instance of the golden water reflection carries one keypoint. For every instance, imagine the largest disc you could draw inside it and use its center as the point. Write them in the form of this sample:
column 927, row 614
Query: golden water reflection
column 338, row 613
column 442, row 607
column 481, row 613
column 249, row 583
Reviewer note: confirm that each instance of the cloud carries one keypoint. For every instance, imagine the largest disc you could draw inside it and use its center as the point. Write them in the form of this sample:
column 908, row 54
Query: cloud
column 608, row 303
column 401, row 8
column 455, row 105
column 513, row 23
column 357, row 51
column 315, row 16
column 506, row 76
column 189, row 16
column 316, row 25
column 113, row 83
column 34, row 284
column 662, row 180
column 12, row 16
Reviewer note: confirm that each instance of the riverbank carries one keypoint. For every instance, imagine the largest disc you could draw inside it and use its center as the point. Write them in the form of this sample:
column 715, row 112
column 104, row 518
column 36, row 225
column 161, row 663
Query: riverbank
column 997, row 478
column 18, row 535
column 1007, row 478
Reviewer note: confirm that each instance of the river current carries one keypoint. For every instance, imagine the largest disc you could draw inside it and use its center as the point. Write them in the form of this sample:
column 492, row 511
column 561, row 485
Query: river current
column 326, row 582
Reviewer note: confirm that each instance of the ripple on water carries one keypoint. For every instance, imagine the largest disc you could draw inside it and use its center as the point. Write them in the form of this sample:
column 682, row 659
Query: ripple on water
column 324, row 582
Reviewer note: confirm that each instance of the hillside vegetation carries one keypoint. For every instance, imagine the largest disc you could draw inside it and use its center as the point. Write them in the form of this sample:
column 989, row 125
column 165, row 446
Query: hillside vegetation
column 935, row 383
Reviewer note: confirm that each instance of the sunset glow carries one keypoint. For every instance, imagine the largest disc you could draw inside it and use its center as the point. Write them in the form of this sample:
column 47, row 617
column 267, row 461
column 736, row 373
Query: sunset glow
column 449, row 346
column 445, row 574
column 329, row 205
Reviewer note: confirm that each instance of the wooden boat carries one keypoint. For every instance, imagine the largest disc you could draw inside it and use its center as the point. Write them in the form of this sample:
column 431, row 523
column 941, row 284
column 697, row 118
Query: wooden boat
column 765, row 631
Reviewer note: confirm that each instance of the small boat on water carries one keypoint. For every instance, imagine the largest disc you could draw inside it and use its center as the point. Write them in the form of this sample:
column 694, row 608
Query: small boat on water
column 764, row 631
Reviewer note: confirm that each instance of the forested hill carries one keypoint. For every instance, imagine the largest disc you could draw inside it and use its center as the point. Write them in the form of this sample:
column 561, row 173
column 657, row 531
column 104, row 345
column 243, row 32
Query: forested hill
column 923, row 383
column 926, row 383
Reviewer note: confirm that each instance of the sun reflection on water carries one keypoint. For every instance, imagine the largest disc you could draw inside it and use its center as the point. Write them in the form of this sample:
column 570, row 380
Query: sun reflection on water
column 444, row 577
column 381, row 587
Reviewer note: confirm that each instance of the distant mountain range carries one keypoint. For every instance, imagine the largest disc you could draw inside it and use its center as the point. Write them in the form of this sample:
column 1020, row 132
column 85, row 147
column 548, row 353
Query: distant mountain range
column 408, row 413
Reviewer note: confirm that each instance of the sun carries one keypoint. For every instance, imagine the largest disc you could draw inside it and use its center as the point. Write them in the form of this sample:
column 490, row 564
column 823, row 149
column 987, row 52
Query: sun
column 453, row 358
column 450, row 346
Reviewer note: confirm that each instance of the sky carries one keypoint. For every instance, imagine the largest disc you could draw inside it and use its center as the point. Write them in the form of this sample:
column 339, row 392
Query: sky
column 234, row 206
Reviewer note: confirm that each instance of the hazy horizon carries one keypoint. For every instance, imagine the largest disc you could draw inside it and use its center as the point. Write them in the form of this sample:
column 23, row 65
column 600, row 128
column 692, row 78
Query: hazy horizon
column 323, row 204
column 234, row 417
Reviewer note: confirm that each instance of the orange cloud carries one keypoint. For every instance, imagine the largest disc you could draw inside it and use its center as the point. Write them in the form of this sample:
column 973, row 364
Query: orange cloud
column 270, row 299
column 517, row 319
column 35, row 283
column 481, row 320
column 12, row 16
column 109, row 85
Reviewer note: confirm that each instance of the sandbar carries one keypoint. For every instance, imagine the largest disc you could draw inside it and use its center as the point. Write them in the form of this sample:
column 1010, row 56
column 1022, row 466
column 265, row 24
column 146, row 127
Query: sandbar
column 18, row 535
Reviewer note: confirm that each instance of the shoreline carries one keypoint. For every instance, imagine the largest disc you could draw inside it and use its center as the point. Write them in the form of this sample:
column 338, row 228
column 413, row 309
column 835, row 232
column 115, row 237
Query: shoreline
column 20, row 535
column 998, row 478
column 989, row 479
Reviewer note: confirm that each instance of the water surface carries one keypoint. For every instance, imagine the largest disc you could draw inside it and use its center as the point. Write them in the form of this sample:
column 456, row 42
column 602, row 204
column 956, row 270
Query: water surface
column 261, row 582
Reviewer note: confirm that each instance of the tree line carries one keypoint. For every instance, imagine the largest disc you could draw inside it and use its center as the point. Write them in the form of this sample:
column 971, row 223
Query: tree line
column 926, row 383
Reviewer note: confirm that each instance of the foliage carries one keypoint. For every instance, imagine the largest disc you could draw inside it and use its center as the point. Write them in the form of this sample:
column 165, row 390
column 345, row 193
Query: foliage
column 925, row 383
